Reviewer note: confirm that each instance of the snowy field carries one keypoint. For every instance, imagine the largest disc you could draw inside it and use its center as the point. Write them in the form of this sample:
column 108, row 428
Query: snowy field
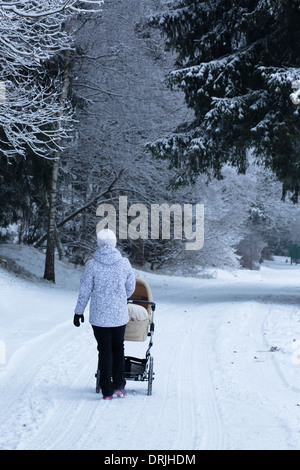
column 226, row 360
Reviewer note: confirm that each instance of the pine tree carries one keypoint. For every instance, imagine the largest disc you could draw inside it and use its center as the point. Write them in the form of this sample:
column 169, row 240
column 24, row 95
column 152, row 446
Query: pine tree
column 235, row 62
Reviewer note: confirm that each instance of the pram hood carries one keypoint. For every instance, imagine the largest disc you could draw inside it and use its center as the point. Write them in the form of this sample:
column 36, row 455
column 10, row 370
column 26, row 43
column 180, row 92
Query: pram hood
column 142, row 298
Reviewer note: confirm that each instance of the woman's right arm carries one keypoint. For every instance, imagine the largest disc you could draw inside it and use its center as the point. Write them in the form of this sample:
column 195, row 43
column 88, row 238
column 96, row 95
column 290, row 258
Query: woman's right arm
column 86, row 287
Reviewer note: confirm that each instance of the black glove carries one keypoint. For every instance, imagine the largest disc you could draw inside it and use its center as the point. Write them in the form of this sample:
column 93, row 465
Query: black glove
column 77, row 318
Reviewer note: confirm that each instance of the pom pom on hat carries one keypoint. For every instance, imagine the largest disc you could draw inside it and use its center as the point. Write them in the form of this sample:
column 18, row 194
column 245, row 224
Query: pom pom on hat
column 106, row 237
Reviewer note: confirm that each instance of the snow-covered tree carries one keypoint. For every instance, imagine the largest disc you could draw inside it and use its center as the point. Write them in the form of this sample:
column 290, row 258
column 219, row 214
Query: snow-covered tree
column 235, row 63
column 119, row 73
column 36, row 115
column 32, row 33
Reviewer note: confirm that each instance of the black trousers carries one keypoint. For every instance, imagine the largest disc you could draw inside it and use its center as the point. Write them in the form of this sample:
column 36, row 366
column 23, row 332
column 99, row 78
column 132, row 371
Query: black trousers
column 111, row 360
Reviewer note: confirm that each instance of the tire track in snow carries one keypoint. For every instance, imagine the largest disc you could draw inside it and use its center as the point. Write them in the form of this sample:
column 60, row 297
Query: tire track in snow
column 17, row 397
column 252, row 406
column 70, row 392
column 46, row 384
column 190, row 426
column 214, row 435
column 185, row 372
column 79, row 418
column 201, row 424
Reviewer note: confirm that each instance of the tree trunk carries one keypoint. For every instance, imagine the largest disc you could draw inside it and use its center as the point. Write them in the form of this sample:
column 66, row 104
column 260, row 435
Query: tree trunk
column 49, row 272
column 58, row 244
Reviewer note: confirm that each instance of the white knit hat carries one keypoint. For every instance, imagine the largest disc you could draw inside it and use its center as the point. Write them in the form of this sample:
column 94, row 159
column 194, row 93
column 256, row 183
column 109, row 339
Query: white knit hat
column 106, row 237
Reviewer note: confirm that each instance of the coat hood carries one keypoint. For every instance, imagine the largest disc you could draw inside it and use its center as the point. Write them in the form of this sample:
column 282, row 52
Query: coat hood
column 107, row 255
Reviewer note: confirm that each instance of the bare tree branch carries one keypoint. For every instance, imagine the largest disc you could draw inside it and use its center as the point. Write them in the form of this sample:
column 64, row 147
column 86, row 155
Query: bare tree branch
column 83, row 208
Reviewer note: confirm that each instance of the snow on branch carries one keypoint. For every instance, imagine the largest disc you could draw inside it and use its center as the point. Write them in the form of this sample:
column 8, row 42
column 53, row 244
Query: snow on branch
column 275, row 76
column 32, row 9
column 278, row 77
column 32, row 33
column 295, row 97
column 29, row 120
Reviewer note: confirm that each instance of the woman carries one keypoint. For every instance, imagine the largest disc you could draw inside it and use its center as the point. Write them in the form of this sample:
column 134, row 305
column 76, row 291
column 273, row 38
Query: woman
column 109, row 280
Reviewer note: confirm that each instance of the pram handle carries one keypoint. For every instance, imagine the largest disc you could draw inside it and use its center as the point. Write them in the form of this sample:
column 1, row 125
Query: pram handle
column 144, row 302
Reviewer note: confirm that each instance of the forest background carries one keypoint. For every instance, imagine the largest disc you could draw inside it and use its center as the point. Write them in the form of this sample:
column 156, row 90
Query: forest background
column 171, row 102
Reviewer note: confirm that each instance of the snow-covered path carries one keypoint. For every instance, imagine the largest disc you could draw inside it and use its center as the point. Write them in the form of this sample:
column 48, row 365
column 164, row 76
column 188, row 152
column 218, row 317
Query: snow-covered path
column 226, row 361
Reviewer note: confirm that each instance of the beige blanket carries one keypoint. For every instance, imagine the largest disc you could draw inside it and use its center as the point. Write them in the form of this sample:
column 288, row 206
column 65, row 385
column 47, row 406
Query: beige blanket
column 137, row 312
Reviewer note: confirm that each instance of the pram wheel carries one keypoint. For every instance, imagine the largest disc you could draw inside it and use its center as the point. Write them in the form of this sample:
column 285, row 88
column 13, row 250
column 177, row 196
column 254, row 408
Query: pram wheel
column 150, row 376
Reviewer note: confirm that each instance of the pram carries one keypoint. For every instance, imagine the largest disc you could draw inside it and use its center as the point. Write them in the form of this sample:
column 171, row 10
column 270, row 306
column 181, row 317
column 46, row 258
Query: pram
column 140, row 326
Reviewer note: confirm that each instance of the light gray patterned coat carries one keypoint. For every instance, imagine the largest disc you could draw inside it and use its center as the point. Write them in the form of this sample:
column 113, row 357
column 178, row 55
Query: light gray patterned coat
column 108, row 279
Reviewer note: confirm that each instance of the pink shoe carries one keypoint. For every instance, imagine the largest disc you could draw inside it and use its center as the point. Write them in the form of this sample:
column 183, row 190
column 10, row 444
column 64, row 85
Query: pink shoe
column 120, row 393
column 109, row 397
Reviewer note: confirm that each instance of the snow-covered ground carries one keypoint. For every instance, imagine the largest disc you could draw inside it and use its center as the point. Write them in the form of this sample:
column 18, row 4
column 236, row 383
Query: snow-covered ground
column 226, row 360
